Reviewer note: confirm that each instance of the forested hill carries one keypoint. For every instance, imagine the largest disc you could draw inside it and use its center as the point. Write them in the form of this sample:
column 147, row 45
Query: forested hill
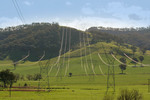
column 16, row 42
column 135, row 36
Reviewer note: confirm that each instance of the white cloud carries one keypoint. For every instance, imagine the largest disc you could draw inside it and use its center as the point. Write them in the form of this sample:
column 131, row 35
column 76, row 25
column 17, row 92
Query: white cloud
column 68, row 3
column 6, row 22
column 28, row 3
column 122, row 11
column 79, row 23
column 86, row 22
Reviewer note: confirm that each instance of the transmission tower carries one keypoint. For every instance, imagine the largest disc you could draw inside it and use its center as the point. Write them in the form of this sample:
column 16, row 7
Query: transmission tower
column 111, row 71
column 44, row 69
column 111, row 75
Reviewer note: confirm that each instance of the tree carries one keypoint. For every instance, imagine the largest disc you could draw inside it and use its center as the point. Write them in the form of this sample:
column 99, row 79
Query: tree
column 7, row 77
column 123, row 60
column 70, row 74
column 122, row 67
column 133, row 48
column 135, row 61
column 144, row 49
column 141, row 58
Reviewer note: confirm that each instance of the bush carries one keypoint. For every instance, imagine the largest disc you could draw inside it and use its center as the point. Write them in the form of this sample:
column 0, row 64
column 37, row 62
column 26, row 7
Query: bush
column 29, row 77
column 130, row 95
column 37, row 77
column 25, row 84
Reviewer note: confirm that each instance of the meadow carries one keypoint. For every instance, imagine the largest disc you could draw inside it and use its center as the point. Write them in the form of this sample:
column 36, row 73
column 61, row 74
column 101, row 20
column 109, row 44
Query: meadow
column 81, row 85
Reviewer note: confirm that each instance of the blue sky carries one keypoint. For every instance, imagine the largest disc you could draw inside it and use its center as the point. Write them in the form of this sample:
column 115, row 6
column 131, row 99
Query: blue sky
column 80, row 14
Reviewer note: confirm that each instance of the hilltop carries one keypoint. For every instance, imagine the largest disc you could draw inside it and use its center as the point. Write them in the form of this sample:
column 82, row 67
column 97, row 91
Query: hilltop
column 16, row 42
column 134, row 36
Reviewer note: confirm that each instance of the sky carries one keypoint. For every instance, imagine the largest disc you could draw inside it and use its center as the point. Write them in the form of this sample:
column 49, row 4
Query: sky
column 80, row 14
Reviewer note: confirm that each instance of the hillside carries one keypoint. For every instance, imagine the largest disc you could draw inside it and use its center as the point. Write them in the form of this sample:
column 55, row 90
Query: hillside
column 37, row 38
column 134, row 36
column 16, row 42
column 89, row 72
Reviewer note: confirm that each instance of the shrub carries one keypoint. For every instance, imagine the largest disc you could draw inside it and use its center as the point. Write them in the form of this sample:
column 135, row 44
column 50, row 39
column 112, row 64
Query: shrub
column 130, row 95
column 25, row 84
column 37, row 77
column 29, row 77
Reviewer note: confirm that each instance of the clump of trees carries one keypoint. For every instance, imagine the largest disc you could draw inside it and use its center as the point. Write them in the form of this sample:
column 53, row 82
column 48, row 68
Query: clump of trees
column 34, row 77
column 7, row 78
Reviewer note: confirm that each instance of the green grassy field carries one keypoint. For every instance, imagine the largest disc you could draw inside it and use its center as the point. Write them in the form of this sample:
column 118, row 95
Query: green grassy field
column 80, row 86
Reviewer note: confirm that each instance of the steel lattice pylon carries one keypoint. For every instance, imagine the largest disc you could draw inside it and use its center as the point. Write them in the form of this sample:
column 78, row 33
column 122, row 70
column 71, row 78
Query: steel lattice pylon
column 111, row 71
column 111, row 76
column 44, row 68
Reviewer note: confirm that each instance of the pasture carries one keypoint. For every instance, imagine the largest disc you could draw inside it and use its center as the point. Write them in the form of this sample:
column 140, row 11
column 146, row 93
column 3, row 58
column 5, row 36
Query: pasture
column 80, row 86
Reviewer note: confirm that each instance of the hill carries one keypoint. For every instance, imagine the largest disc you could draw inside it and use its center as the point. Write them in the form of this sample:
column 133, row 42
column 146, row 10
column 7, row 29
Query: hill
column 134, row 36
column 36, row 38
column 16, row 42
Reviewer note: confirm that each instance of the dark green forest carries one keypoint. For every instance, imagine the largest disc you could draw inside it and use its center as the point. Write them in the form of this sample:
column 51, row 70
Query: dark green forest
column 135, row 36
column 17, row 42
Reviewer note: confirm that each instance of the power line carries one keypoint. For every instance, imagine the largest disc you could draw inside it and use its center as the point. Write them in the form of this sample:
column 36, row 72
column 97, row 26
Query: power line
column 16, row 5
column 134, row 60
column 60, row 52
column 14, row 63
column 67, row 66
column 85, row 56
column 91, row 59
column 111, row 72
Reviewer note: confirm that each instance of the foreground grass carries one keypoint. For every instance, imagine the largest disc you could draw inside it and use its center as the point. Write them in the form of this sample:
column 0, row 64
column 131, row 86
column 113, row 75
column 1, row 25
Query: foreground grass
column 79, row 86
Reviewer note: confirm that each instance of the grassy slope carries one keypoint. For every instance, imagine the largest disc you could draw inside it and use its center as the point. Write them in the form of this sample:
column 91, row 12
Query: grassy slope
column 80, row 86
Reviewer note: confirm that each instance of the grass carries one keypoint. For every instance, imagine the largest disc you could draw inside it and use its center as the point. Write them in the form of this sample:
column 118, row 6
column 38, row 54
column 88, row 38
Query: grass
column 80, row 86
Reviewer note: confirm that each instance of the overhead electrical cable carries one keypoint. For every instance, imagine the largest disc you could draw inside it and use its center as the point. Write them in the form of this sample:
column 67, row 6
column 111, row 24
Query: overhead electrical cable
column 81, row 56
column 101, row 71
column 85, row 46
column 23, row 58
column 18, row 60
column 111, row 70
column 85, row 62
column 103, row 60
column 120, row 61
column 68, row 62
column 36, row 61
column 134, row 60
column 64, row 56
column 91, row 59
column 60, row 50
column 69, row 48
column 16, row 5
